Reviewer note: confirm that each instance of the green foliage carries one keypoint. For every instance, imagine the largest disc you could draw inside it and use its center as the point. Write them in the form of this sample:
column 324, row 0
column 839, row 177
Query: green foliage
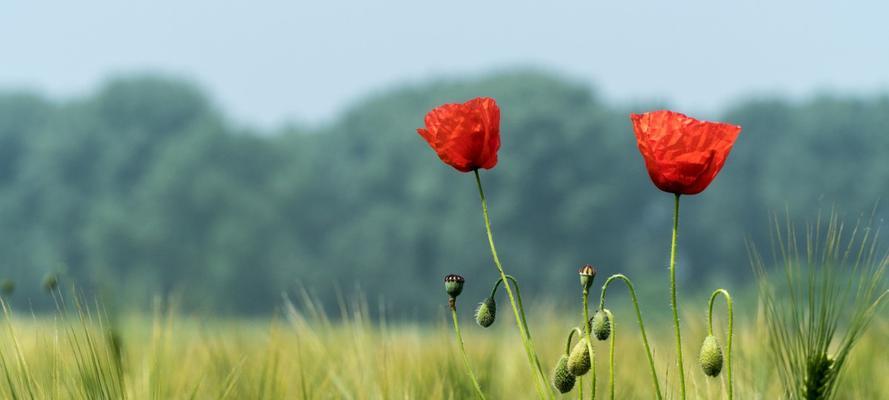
column 834, row 281
column 306, row 354
column 145, row 188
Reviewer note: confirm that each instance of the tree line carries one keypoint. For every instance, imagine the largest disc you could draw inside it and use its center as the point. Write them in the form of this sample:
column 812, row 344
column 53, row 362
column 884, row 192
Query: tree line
column 146, row 188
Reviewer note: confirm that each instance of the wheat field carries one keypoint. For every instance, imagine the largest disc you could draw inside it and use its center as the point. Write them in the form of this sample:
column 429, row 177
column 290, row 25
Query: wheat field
column 303, row 353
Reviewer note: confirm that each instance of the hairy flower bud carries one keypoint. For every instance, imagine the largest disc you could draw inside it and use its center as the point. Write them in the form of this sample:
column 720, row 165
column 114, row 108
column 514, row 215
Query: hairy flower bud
column 601, row 325
column 486, row 312
column 587, row 274
column 454, row 285
column 579, row 360
column 563, row 380
column 711, row 356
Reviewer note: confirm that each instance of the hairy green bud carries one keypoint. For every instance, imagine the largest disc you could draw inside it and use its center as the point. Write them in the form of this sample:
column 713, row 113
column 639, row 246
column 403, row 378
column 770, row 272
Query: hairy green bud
column 453, row 285
column 486, row 312
column 579, row 360
column 563, row 380
column 711, row 356
column 601, row 325
column 587, row 275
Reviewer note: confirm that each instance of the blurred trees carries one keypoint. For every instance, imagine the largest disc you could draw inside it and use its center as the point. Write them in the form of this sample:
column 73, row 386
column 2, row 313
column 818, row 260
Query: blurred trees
column 145, row 188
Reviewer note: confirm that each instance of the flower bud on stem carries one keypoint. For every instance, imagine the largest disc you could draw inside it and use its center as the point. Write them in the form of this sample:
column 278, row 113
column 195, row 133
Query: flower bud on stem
column 587, row 274
column 454, row 286
column 625, row 280
column 563, row 380
column 540, row 379
column 711, row 354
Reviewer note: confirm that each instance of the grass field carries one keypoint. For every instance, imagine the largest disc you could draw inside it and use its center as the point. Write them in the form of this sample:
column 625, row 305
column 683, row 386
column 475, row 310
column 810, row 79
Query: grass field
column 303, row 354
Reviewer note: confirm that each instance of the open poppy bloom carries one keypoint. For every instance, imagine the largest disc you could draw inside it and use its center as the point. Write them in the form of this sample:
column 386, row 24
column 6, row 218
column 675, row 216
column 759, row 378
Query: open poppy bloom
column 465, row 136
column 682, row 154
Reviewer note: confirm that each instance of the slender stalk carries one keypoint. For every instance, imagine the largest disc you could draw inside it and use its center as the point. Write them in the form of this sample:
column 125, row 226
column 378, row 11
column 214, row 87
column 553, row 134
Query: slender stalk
column 589, row 341
column 625, row 280
column 478, row 388
column 518, row 297
column 611, row 354
column 673, row 298
column 728, row 351
column 540, row 381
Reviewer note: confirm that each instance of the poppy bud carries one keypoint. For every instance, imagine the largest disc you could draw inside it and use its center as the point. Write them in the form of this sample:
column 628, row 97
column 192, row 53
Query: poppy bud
column 579, row 361
column 587, row 274
column 50, row 282
column 486, row 312
column 711, row 356
column 454, row 285
column 601, row 325
column 563, row 380
column 7, row 287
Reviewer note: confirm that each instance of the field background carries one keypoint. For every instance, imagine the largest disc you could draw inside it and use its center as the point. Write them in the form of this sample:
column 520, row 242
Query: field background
column 186, row 168
column 303, row 354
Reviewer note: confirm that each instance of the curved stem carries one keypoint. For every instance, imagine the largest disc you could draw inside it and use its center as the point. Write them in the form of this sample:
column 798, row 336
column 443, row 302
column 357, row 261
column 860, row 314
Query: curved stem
column 673, row 297
column 728, row 351
column 611, row 354
column 625, row 280
column 525, row 335
column 497, row 285
column 478, row 388
column 571, row 336
column 518, row 296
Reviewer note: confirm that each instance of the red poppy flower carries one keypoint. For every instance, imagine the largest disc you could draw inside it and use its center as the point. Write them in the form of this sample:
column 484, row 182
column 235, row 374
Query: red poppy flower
column 682, row 154
column 465, row 136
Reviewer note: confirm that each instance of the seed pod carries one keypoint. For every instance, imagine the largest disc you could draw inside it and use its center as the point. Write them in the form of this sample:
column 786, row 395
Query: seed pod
column 711, row 356
column 587, row 274
column 563, row 380
column 601, row 325
column 453, row 285
column 486, row 312
column 579, row 361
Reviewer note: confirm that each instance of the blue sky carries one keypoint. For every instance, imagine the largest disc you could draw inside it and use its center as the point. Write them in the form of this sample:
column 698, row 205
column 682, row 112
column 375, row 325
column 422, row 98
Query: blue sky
column 268, row 62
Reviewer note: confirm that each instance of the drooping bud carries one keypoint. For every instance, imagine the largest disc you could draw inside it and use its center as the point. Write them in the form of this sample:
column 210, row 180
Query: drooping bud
column 587, row 274
column 579, row 360
column 486, row 312
column 7, row 287
column 601, row 325
column 453, row 285
column 711, row 356
column 50, row 282
column 563, row 380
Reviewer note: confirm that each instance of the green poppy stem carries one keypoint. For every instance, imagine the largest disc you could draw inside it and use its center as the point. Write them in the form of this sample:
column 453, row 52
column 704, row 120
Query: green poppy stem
column 540, row 380
column 611, row 354
column 625, row 280
column 728, row 351
column 478, row 388
column 673, row 303
column 589, row 341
